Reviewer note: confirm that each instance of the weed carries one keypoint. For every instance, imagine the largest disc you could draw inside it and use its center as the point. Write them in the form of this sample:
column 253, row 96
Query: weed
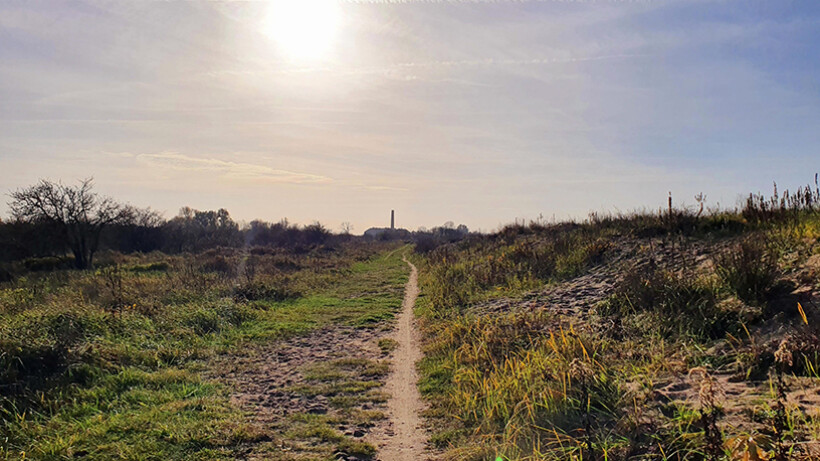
column 710, row 412
column 388, row 345
column 749, row 270
column 783, row 360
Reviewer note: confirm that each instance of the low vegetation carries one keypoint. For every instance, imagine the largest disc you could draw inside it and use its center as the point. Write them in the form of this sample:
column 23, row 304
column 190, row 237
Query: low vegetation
column 686, row 334
column 119, row 362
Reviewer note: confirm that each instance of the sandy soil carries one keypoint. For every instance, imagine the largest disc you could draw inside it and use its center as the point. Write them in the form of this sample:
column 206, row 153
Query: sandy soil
column 403, row 438
column 264, row 380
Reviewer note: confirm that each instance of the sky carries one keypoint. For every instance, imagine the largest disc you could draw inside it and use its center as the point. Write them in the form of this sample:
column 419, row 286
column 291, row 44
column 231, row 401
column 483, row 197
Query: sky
column 476, row 111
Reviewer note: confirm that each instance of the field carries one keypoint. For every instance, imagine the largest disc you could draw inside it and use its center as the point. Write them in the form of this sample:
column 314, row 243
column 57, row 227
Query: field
column 149, row 356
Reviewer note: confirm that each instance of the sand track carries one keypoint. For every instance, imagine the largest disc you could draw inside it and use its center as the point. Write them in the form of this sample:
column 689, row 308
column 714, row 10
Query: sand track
column 404, row 438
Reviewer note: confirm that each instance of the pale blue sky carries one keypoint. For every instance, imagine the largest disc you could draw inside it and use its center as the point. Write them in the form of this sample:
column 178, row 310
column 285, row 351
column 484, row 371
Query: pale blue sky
column 475, row 111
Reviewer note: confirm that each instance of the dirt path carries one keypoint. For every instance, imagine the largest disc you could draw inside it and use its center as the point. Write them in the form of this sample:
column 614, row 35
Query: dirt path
column 403, row 439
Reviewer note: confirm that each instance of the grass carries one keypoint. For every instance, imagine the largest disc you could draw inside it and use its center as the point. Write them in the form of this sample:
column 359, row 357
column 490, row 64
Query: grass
column 650, row 300
column 691, row 292
column 135, row 414
column 388, row 345
column 108, row 364
column 749, row 270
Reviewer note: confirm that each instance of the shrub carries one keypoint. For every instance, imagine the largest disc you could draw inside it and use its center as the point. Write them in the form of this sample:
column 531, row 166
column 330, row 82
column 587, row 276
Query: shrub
column 426, row 243
column 49, row 263
column 6, row 275
column 161, row 266
column 218, row 264
column 749, row 270
column 274, row 290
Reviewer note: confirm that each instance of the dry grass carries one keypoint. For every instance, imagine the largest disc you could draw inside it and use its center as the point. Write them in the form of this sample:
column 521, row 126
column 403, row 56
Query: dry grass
column 536, row 385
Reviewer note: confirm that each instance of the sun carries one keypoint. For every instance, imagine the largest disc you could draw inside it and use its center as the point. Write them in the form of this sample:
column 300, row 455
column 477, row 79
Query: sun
column 304, row 29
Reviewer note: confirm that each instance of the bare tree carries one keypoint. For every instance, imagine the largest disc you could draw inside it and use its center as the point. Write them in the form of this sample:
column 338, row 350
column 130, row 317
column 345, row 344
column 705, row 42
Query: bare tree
column 81, row 213
column 347, row 228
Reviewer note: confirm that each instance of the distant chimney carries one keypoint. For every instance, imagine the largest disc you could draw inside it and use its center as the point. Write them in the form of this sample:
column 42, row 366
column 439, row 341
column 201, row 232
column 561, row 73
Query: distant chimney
column 392, row 219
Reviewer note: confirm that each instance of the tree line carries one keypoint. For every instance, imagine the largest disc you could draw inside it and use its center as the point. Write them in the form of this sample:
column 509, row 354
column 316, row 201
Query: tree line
column 71, row 223
column 54, row 219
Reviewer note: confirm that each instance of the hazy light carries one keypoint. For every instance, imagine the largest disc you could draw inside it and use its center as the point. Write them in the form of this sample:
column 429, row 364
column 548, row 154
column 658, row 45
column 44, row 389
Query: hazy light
column 304, row 29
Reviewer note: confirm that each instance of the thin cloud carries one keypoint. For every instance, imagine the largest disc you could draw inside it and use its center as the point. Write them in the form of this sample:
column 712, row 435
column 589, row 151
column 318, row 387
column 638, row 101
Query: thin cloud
column 399, row 2
column 381, row 188
column 513, row 62
column 229, row 170
column 443, row 64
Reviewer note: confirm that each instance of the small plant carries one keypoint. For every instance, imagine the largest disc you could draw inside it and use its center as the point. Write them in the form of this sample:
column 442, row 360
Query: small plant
column 270, row 289
column 583, row 374
column 112, row 279
column 388, row 345
column 749, row 270
column 747, row 447
column 784, row 207
column 217, row 264
column 710, row 412
column 783, row 360
column 49, row 263
column 161, row 266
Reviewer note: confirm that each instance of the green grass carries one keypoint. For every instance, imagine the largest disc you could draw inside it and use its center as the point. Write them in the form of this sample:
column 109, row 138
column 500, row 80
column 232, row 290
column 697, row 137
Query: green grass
column 134, row 414
column 104, row 370
column 363, row 297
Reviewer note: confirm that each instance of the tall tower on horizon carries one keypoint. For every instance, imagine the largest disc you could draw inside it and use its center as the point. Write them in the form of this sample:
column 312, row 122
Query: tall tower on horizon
column 392, row 219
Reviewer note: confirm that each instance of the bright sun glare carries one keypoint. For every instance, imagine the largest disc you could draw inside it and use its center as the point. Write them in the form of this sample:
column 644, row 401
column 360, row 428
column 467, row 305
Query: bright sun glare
column 304, row 29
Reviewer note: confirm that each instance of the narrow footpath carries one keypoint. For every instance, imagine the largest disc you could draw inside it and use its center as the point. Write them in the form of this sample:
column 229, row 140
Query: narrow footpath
column 404, row 438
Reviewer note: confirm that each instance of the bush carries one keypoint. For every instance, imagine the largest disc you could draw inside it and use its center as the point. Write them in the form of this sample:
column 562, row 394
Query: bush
column 6, row 275
column 426, row 243
column 274, row 290
column 218, row 264
column 749, row 270
column 49, row 263
column 161, row 266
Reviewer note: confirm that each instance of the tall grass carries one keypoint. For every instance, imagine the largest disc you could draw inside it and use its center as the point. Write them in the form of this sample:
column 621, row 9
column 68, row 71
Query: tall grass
column 531, row 385
column 513, row 377
column 749, row 270
column 652, row 300
column 783, row 207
